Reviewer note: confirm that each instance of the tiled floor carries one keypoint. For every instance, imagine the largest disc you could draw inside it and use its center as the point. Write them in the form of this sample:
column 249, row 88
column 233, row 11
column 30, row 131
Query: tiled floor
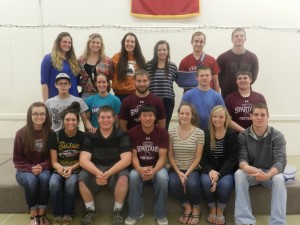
column 23, row 219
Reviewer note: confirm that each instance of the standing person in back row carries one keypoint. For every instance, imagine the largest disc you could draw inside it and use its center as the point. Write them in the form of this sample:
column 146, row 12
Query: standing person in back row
column 262, row 159
column 198, row 58
column 62, row 59
column 237, row 58
column 125, row 63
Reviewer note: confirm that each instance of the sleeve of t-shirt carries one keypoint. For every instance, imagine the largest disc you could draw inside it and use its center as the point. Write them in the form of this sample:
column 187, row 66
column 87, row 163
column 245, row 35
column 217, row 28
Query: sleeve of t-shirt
column 185, row 97
column 182, row 66
column 164, row 139
column 123, row 114
column 228, row 105
column 125, row 144
column 219, row 100
column 132, row 138
column 83, row 106
column 87, row 145
column 46, row 69
column 215, row 68
column 117, row 105
column 53, row 141
column 88, row 103
column 255, row 68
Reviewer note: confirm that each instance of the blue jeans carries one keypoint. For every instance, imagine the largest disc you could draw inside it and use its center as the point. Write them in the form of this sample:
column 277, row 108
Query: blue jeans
column 221, row 196
column 193, row 188
column 169, row 107
column 36, row 188
column 243, row 211
column 135, row 199
column 63, row 193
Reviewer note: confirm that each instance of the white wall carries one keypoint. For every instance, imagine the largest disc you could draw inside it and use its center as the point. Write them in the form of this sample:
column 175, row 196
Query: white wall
column 28, row 29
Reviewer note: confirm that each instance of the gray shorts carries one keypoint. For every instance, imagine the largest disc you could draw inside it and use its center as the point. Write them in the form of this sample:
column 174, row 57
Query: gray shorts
column 90, row 179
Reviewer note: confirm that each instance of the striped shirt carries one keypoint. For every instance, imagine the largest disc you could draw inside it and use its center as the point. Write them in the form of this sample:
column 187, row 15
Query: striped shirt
column 161, row 84
column 218, row 151
column 184, row 150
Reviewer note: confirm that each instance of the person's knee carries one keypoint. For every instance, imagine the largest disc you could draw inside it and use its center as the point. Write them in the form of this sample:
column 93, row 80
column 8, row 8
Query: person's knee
column 278, row 180
column 162, row 177
column 240, row 176
column 122, row 181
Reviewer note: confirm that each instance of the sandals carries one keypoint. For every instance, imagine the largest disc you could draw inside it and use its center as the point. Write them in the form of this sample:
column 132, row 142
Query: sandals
column 34, row 220
column 184, row 218
column 211, row 218
column 194, row 219
column 43, row 220
column 221, row 219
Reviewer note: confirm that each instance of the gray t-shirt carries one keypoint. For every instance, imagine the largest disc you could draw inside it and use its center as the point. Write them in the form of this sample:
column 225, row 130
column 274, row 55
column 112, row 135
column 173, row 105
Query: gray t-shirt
column 56, row 105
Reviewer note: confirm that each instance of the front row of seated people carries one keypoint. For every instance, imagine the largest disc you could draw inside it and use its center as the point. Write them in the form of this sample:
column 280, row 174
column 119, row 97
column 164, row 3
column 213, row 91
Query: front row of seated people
column 200, row 162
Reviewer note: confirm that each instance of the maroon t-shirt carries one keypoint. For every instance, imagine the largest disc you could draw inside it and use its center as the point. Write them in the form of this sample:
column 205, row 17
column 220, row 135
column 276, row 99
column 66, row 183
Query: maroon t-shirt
column 130, row 106
column 239, row 107
column 148, row 145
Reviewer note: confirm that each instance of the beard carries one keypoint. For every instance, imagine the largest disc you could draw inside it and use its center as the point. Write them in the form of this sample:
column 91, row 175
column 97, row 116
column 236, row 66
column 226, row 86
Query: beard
column 142, row 90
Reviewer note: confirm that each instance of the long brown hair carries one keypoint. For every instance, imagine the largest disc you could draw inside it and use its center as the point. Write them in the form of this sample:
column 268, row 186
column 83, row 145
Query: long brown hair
column 195, row 117
column 154, row 60
column 28, row 138
column 57, row 57
column 123, row 61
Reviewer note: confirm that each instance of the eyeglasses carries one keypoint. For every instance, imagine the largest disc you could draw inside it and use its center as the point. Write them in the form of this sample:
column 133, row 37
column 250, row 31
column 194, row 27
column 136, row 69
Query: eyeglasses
column 63, row 83
column 38, row 114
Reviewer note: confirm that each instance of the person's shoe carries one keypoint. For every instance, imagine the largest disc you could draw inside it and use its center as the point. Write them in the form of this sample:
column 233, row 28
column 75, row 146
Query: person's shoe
column 132, row 221
column 57, row 220
column 34, row 220
column 66, row 220
column 163, row 221
column 117, row 217
column 43, row 220
column 88, row 217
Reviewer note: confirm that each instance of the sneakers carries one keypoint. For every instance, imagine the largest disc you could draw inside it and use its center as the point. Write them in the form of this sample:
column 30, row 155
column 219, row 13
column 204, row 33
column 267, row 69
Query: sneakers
column 117, row 217
column 163, row 221
column 88, row 216
column 57, row 220
column 132, row 221
column 66, row 220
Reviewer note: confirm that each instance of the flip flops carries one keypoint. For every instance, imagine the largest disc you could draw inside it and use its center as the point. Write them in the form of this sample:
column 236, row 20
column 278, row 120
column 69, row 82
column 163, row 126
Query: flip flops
column 184, row 218
column 211, row 218
column 221, row 219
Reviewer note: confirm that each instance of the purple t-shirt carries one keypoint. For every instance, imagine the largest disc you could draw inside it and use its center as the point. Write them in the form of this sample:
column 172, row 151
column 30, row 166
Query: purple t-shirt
column 148, row 145
column 130, row 107
column 239, row 107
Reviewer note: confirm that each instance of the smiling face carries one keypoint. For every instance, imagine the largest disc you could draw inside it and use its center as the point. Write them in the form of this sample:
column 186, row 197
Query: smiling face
column 63, row 86
column 147, row 119
column 106, row 120
column 198, row 43
column 38, row 116
column 162, row 52
column 185, row 115
column 129, row 43
column 102, row 84
column 243, row 81
column 95, row 45
column 142, row 83
column 70, row 122
column 65, row 44
column 218, row 119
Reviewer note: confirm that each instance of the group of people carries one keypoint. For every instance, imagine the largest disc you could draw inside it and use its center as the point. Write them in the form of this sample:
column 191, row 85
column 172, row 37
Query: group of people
column 223, row 140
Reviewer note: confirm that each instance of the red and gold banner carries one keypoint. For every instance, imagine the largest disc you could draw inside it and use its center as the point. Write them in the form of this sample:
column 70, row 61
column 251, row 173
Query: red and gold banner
column 165, row 8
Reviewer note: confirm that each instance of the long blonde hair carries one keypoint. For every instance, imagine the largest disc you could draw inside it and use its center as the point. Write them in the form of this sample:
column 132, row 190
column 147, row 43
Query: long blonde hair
column 87, row 50
column 57, row 56
column 212, row 129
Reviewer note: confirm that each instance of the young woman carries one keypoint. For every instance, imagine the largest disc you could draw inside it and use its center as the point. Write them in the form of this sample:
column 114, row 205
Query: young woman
column 125, row 63
column 92, row 62
column 102, row 98
column 62, row 59
column 219, row 162
column 163, row 74
column 185, row 151
column 32, row 161
column 65, row 147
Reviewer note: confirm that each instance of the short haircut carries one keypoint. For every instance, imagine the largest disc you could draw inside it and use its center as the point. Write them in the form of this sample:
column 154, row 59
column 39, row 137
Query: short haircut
column 202, row 67
column 239, row 29
column 198, row 33
column 106, row 108
column 260, row 106
column 147, row 108
column 141, row 72
column 243, row 72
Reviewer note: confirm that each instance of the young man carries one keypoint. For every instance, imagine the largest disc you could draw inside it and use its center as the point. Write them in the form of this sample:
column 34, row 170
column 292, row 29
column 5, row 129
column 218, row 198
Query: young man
column 262, row 158
column 237, row 58
column 198, row 58
column 128, row 116
column 203, row 97
column 59, row 102
column 239, row 103
column 149, row 151
column 105, row 163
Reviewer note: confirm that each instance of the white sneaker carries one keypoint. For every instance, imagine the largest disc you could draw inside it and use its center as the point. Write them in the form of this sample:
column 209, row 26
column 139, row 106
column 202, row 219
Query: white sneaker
column 132, row 221
column 163, row 221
